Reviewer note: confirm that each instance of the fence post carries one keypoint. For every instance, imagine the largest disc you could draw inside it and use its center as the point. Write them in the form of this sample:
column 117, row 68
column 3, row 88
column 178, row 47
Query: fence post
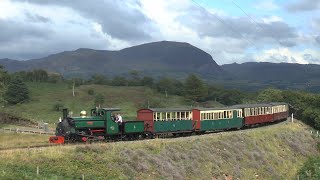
column 37, row 170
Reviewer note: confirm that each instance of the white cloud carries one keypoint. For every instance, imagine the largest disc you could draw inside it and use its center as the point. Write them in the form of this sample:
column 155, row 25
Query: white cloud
column 286, row 55
column 268, row 5
column 271, row 19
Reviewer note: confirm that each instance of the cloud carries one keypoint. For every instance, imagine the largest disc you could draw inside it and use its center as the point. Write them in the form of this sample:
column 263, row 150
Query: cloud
column 213, row 25
column 303, row 5
column 37, row 28
column 121, row 19
column 36, row 18
column 13, row 31
column 317, row 39
column 287, row 55
column 33, row 31
column 266, row 5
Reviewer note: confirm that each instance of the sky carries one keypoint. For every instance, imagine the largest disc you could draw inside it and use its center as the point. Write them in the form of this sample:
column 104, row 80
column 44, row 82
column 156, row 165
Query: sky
column 231, row 31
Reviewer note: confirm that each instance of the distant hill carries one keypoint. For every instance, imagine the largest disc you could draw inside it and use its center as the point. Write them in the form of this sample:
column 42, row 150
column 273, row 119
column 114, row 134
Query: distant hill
column 157, row 58
column 280, row 75
column 174, row 59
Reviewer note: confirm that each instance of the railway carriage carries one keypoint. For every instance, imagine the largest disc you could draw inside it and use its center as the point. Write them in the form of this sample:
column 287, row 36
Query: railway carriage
column 280, row 111
column 213, row 119
column 161, row 120
column 256, row 113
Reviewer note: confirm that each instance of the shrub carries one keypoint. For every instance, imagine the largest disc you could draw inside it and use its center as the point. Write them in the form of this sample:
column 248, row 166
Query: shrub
column 17, row 91
column 91, row 92
column 57, row 106
column 99, row 99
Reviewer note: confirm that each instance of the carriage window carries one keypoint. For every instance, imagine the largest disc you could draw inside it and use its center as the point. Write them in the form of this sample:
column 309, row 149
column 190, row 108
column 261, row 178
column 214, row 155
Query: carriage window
column 230, row 114
column 183, row 115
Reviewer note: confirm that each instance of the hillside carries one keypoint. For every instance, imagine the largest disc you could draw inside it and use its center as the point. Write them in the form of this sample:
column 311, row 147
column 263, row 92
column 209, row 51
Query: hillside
column 157, row 59
column 272, row 152
column 45, row 96
column 279, row 75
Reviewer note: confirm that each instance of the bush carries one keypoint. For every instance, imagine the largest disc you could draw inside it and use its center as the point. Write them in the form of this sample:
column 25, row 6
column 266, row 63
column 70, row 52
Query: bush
column 17, row 91
column 58, row 106
column 91, row 92
column 99, row 99
column 310, row 169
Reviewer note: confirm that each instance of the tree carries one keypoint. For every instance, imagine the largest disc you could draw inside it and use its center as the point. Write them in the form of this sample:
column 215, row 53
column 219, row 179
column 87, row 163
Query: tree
column 17, row 91
column 195, row 89
column 3, row 81
column 99, row 79
column 147, row 81
column 270, row 95
column 119, row 81
column 165, row 86
column 99, row 99
column 135, row 79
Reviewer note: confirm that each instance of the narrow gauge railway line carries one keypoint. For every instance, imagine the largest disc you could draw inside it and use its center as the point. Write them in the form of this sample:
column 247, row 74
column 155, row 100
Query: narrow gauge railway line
column 243, row 130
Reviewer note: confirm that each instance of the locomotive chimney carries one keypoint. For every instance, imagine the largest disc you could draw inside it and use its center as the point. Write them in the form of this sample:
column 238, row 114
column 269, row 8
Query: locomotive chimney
column 65, row 113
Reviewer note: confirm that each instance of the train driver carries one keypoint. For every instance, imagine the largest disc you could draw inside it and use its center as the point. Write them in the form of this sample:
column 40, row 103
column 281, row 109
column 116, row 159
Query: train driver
column 119, row 118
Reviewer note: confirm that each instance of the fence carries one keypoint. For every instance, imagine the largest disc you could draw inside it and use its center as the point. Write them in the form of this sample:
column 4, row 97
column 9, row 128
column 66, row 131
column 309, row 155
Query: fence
column 17, row 130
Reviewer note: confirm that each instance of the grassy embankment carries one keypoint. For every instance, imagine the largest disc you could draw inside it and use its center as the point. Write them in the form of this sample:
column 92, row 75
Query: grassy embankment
column 272, row 152
column 44, row 96
column 16, row 140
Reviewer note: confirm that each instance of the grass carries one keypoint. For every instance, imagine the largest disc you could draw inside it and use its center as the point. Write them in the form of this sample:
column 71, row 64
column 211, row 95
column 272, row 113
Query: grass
column 273, row 152
column 15, row 140
column 45, row 95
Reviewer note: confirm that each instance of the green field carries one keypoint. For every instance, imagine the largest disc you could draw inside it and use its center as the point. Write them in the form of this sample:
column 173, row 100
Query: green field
column 44, row 96
column 272, row 152
column 16, row 140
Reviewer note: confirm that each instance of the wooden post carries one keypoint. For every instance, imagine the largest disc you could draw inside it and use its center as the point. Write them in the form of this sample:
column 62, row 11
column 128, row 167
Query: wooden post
column 292, row 117
column 37, row 170
column 73, row 88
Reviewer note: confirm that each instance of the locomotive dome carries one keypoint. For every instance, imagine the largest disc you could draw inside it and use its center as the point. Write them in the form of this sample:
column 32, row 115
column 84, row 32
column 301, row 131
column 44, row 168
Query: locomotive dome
column 83, row 113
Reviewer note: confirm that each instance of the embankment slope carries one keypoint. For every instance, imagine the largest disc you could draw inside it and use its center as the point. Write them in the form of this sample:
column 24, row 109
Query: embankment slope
column 271, row 152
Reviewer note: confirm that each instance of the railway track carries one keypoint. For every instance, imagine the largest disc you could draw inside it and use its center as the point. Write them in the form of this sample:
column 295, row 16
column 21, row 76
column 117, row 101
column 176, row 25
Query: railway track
column 243, row 130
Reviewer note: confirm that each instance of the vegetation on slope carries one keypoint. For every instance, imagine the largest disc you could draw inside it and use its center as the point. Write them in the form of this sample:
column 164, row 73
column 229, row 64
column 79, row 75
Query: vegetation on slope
column 16, row 140
column 45, row 97
column 272, row 152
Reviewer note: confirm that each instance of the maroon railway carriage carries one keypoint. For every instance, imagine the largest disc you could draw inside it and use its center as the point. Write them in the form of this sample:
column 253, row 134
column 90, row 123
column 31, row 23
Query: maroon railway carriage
column 263, row 113
column 256, row 113
column 280, row 111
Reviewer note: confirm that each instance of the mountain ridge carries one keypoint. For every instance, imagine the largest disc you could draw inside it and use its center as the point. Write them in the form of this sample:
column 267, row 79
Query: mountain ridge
column 175, row 59
column 156, row 57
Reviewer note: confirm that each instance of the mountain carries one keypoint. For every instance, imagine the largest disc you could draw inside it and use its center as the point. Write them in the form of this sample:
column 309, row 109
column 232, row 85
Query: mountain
column 175, row 59
column 157, row 59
